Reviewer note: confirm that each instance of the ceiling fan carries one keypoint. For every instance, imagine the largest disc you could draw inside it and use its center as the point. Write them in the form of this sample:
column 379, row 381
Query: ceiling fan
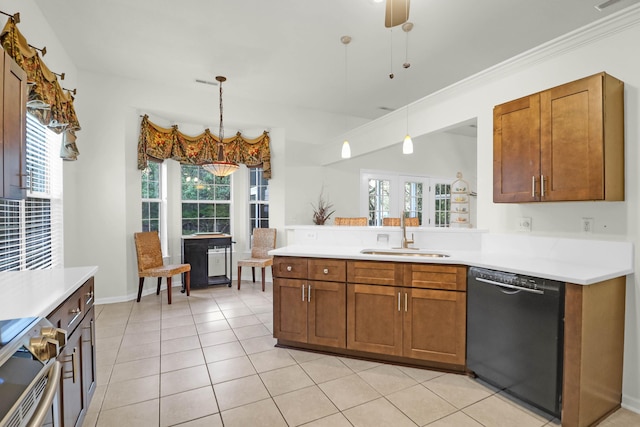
column 397, row 12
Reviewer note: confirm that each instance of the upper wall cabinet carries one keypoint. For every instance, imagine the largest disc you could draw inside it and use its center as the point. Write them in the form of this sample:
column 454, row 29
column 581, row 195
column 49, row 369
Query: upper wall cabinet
column 13, row 91
column 562, row 144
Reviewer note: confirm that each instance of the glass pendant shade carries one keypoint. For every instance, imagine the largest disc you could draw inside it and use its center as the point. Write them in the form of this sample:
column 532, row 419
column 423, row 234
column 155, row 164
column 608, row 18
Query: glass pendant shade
column 346, row 150
column 407, row 145
column 221, row 168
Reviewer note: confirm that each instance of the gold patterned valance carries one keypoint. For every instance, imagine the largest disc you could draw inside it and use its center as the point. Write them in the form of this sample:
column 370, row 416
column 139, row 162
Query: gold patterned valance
column 47, row 100
column 169, row 143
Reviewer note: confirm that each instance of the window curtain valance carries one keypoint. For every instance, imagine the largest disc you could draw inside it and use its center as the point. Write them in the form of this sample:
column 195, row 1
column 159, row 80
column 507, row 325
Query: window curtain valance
column 161, row 143
column 47, row 100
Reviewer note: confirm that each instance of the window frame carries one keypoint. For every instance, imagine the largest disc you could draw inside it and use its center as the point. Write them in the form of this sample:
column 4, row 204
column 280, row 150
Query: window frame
column 253, row 205
column 214, row 185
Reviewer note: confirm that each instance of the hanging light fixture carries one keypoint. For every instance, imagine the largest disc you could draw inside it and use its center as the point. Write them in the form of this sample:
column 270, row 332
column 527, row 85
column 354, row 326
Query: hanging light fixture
column 221, row 167
column 345, row 40
column 407, row 144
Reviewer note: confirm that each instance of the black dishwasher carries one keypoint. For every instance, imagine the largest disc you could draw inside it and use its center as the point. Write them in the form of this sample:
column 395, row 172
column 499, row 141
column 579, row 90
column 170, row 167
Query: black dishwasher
column 515, row 335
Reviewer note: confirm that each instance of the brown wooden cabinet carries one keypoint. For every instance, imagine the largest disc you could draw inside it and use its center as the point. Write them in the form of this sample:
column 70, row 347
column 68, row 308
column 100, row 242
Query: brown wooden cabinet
column 13, row 91
column 425, row 319
column 562, row 144
column 310, row 311
column 78, row 357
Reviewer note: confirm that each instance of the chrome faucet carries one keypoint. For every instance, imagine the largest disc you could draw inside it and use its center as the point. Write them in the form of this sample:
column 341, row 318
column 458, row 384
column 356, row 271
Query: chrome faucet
column 405, row 242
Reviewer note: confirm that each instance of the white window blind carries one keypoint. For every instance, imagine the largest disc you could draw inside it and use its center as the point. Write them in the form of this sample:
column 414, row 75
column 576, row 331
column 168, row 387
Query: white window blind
column 31, row 230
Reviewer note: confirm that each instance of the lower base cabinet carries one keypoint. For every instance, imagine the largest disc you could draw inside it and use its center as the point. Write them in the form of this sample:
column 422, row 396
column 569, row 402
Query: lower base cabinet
column 419, row 324
column 310, row 312
column 78, row 357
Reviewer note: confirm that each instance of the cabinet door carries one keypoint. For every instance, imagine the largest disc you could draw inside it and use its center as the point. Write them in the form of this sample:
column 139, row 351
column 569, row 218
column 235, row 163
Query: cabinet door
column 374, row 319
column 516, row 150
column 290, row 309
column 435, row 325
column 88, row 355
column 327, row 317
column 572, row 157
column 71, row 396
column 14, row 130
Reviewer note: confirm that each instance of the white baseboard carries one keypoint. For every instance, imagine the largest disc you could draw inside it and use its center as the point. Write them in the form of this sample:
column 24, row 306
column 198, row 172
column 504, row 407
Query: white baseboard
column 631, row 403
column 146, row 290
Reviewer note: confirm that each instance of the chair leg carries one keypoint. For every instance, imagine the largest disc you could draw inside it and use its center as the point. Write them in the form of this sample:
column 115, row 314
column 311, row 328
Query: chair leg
column 253, row 274
column 239, row 275
column 159, row 283
column 169, row 288
column 187, row 280
column 263, row 274
column 141, row 283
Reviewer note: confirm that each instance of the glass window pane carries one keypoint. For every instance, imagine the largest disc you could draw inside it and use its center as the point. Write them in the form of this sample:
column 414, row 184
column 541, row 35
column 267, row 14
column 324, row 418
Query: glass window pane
column 206, row 210
column 189, row 210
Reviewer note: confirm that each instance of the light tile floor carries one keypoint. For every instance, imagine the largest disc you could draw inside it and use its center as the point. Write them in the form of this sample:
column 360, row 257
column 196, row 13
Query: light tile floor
column 210, row 360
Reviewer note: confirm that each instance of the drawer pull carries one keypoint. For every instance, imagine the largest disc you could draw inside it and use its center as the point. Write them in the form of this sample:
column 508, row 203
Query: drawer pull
column 289, row 268
column 326, row 271
column 76, row 313
column 89, row 296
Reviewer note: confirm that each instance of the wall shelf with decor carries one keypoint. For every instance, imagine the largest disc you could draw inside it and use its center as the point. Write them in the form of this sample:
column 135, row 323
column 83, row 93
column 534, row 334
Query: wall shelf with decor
column 460, row 206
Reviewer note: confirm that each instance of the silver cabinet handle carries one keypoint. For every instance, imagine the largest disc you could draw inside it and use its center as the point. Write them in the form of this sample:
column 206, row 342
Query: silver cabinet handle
column 405, row 302
column 309, row 294
column 533, row 186
column 541, row 185
column 289, row 268
column 302, row 286
column 326, row 271
column 398, row 301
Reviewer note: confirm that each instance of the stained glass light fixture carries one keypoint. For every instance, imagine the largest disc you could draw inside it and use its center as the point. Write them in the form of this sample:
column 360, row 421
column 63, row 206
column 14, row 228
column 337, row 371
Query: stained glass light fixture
column 221, row 167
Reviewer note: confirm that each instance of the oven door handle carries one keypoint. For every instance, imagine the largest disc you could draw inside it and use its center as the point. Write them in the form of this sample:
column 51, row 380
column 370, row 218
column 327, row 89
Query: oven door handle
column 47, row 396
column 504, row 285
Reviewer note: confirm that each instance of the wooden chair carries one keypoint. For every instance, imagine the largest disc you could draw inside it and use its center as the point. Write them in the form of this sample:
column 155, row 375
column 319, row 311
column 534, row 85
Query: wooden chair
column 150, row 263
column 391, row 222
column 264, row 239
column 356, row 221
column 395, row 222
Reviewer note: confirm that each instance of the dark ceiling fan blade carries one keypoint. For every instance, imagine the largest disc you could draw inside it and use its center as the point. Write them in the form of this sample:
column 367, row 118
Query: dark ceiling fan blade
column 397, row 13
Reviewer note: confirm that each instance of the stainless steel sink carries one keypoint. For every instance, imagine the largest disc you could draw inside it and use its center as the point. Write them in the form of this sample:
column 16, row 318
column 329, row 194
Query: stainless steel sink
column 404, row 252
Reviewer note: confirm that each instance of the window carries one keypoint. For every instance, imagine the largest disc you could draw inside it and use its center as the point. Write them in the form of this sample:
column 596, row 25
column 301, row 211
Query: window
column 258, row 200
column 31, row 229
column 206, row 201
column 151, row 197
column 379, row 200
column 385, row 194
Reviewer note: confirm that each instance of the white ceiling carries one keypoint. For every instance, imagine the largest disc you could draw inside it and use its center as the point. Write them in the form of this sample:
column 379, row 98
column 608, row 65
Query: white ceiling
column 289, row 51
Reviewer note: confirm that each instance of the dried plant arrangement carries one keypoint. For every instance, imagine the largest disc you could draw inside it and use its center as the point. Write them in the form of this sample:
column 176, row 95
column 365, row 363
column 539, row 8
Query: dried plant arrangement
column 322, row 211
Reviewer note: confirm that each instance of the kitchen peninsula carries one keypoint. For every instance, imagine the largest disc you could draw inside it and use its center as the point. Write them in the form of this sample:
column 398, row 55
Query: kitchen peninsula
column 344, row 290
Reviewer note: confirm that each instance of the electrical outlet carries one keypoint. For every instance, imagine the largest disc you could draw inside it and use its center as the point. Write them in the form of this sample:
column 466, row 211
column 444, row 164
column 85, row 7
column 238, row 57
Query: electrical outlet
column 524, row 223
column 311, row 235
column 586, row 225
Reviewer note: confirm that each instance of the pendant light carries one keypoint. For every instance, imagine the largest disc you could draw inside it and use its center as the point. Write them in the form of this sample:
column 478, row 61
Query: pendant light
column 407, row 144
column 346, row 148
column 221, row 167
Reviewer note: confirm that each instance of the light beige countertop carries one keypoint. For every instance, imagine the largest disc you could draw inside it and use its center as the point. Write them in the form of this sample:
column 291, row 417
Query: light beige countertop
column 37, row 293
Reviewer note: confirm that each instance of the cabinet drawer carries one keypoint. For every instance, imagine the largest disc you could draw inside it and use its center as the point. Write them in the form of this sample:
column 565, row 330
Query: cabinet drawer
column 290, row 267
column 88, row 295
column 374, row 272
column 69, row 314
column 430, row 276
column 330, row 270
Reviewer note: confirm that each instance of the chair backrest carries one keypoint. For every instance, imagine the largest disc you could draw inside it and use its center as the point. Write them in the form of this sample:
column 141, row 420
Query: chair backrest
column 363, row 220
column 264, row 239
column 412, row 222
column 148, row 250
column 395, row 222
